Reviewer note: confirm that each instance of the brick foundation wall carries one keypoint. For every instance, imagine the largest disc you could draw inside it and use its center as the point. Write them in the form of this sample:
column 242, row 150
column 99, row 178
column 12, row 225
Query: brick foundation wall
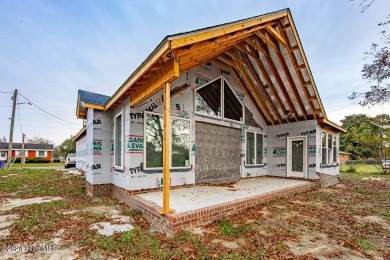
column 99, row 190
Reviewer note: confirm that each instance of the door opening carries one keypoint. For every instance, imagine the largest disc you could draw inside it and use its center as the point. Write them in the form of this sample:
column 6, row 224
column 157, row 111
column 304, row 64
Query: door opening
column 297, row 157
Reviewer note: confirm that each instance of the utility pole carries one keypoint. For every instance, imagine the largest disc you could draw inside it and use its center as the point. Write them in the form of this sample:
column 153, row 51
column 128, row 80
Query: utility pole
column 11, row 130
column 22, row 157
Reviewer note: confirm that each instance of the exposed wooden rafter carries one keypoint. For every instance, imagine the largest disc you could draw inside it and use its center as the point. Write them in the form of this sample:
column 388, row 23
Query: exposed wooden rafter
column 267, row 78
column 155, row 82
column 252, row 90
column 291, row 82
column 263, row 91
column 299, row 75
column 279, row 81
column 249, row 95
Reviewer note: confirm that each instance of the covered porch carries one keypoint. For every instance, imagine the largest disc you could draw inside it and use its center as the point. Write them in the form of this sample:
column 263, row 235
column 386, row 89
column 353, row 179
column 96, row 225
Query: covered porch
column 199, row 205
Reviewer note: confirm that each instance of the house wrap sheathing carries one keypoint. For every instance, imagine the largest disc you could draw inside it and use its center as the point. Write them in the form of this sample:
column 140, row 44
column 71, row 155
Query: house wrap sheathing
column 214, row 105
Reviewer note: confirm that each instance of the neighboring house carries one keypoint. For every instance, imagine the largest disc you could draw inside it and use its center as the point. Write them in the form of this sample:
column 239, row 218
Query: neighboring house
column 30, row 150
column 240, row 102
column 344, row 157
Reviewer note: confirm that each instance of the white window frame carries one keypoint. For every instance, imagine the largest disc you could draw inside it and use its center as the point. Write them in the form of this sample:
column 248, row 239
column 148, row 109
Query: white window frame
column 3, row 153
column 255, row 146
column 206, row 85
column 118, row 167
column 37, row 153
column 330, row 137
column 222, row 114
column 162, row 116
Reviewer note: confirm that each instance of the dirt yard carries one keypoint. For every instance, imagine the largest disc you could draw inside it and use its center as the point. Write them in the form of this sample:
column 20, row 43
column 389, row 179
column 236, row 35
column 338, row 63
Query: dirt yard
column 45, row 214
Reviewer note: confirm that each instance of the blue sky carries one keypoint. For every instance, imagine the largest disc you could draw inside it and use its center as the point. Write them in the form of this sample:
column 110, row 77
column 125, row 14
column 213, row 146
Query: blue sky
column 50, row 49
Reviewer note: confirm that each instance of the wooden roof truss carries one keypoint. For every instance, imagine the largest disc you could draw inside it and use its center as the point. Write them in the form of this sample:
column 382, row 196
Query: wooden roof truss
column 266, row 59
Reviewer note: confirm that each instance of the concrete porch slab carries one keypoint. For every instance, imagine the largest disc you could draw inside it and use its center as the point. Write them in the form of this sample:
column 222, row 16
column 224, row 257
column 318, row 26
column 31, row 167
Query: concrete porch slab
column 200, row 205
column 193, row 198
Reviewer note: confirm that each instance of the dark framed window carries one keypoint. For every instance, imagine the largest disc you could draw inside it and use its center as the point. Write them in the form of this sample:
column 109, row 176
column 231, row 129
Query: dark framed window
column 180, row 141
column 217, row 99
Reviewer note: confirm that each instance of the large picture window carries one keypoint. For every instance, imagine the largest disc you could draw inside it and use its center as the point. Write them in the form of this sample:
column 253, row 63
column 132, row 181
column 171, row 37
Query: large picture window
column 118, row 158
column 217, row 99
column 154, row 140
column 254, row 148
column 328, row 148
column 180, row 141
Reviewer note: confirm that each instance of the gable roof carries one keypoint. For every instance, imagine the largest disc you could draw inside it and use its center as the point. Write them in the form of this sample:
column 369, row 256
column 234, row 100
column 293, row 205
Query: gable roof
column 27, row 146
column 263, row 53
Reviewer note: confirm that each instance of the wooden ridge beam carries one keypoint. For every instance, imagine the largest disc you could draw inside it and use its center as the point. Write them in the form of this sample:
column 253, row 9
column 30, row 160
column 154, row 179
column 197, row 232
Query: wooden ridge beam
column 156, row 81
column 221, row 40
column 192, row 38
column 213, row 46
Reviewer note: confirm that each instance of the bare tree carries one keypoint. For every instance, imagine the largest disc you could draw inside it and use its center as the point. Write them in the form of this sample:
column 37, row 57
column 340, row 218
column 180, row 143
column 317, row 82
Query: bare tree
column 378, row 70
column 38, row 140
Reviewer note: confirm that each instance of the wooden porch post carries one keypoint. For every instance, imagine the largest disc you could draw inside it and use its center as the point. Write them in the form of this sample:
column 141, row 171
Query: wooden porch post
column 166, row 148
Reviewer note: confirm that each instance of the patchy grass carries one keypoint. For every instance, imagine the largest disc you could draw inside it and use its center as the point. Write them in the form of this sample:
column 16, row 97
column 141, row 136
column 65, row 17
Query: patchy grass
column 361, row 168
column 365, row 245
column 131, row 212
column 346, row 218
column 28, row 183
column 227, row 228
column 18, row 165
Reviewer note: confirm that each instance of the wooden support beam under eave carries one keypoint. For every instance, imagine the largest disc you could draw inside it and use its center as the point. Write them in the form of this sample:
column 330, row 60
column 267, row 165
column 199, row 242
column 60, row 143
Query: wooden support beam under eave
column 167, row 73
column 276, row 35
column 267, row 40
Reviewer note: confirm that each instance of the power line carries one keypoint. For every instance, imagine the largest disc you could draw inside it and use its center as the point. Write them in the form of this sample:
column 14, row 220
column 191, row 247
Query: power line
column 32, row 103
column 20, row 124
column 6, row 92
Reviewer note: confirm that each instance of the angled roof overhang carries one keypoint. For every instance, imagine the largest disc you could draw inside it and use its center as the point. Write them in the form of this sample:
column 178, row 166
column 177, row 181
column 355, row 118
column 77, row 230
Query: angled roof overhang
column 264, row 54
column 86, row 99
column 80, row 134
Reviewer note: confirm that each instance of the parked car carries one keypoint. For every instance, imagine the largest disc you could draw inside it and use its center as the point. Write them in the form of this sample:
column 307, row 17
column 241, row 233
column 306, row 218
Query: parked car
column 70, row 160
column 55, row 160
column 386, row 164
